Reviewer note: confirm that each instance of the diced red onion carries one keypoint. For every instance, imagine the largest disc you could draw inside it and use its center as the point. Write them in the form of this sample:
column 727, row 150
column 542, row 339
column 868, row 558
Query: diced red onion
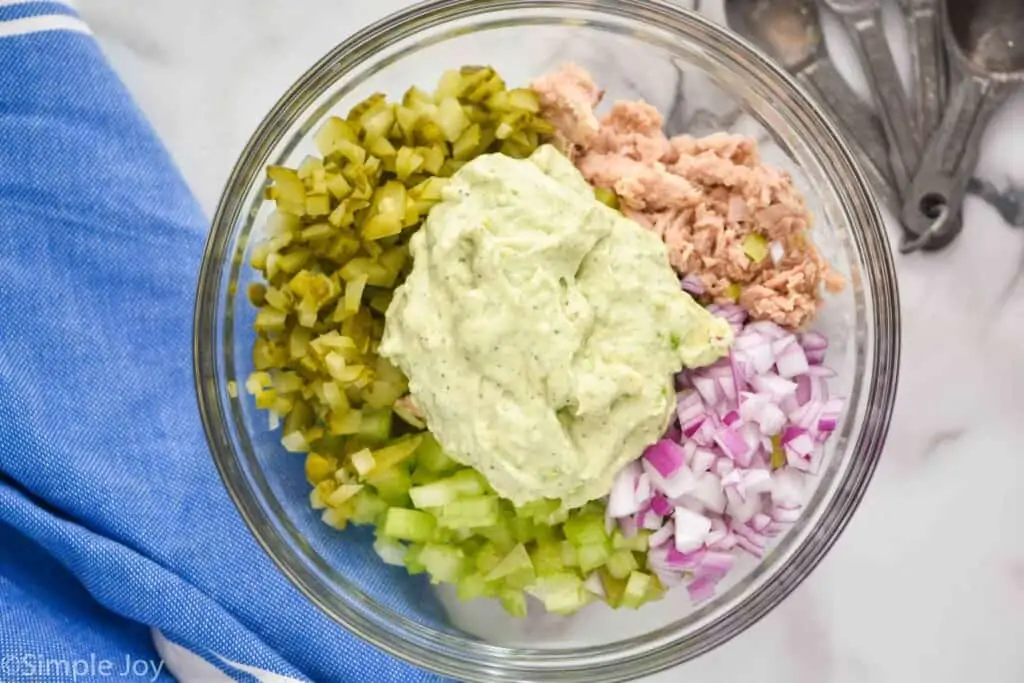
column 774, row 386
column 707, row 489
column 663, row 535
column 691, row 530
column 665, row 456
column 723, row 466
column 702, row 460
column 651, row 521
column 787, row 488
column 661, row 506
column 741, row 509
column 701, row 589
column 692, row 284
column 786, row 515
column 792, row 362
column 680, row 483
column 751, row 548
column 725, row 544
column 708, row 388
column 734, row 446
column 760, row 522
column 623, row 499
column 709, row 492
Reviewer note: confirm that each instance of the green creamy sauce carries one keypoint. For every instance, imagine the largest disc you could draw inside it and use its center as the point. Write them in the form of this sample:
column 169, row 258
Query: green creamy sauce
column 540, row 330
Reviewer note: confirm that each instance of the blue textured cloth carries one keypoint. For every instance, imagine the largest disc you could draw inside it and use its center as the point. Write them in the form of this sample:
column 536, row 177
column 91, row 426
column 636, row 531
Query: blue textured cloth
column 113, row 520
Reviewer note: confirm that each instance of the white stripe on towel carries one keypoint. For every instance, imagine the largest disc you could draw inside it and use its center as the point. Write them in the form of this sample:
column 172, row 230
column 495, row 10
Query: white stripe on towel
column 67, row 3
column 52, row 22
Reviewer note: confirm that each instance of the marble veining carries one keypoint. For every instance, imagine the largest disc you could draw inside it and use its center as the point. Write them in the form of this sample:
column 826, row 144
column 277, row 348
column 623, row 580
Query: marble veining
column 927, row 582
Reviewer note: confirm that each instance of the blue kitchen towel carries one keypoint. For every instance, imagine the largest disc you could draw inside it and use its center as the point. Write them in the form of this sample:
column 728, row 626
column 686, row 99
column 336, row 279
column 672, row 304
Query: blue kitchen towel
column 113, row 520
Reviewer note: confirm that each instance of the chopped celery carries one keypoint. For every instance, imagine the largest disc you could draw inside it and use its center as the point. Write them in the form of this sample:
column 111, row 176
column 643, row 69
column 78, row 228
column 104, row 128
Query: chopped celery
column 538, row 510
column 547, row 558
column 592, row 556
column 638, row 542
column 517, row 560
column 562, row 593
column 621, row 563
column 487, row 558
column 434, row 495
column 570, row 558
column 586, row 529
column 390, row 551
column 396, row 453
column 408, row 525
column 514, row 602
column 637, row 587
column 520, row 579
column 499, row 534
column 614, row 588
column 472, row 586
column 469, row 513
column 412, row 563
column 392, row 485
column 431, row 456
column 368, row 508
column 443, row 562
column 376, row 426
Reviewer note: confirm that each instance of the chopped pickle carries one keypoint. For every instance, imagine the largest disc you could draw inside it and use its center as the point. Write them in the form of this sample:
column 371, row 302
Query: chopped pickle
column 755, row 247
column 332, row 252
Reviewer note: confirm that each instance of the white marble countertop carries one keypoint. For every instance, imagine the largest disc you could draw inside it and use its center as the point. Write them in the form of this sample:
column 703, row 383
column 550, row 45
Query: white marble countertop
column 927, row 583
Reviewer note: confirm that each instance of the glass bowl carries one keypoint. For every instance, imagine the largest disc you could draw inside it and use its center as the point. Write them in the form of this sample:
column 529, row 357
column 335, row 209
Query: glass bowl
column 704, row 79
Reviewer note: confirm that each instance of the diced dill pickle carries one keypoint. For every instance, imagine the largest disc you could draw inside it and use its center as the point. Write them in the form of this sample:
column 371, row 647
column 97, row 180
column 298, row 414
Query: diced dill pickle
column 466, row 145
column 409, row 161
column 338, row 186
column 375, row 273
column 333, row 130
column 449, row 85
column 289, row 188
column 377, row 121
column 381, row 148
column 755, row 247
column 606, row 197
column 451, row 119
column 356, row 113
column 524, row 99
column 318, row 205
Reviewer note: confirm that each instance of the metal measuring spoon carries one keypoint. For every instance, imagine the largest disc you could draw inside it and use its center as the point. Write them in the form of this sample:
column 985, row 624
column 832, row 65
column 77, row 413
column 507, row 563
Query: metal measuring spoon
column 790, row 32
column 863, row 19
column 986, row 51
column 928, row 63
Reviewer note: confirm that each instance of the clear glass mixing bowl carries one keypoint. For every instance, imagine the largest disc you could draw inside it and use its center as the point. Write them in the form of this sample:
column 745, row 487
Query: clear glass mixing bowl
column 704, row 79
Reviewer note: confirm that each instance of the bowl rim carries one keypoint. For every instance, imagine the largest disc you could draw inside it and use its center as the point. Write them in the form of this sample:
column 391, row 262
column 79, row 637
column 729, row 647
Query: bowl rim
column 872, row 247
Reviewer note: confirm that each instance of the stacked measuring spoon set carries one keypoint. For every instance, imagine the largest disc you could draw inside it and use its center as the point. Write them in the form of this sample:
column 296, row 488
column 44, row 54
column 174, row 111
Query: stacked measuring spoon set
column 918, row 148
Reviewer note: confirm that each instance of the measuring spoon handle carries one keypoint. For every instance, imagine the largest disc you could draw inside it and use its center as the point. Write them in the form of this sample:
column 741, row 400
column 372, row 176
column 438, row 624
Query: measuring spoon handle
column 893, row 109
column 856, row 120
column 928, row 64
column 949, row 160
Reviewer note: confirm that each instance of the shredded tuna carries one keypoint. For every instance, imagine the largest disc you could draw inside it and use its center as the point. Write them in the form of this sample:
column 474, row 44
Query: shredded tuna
column 567, row 99
column 702, row 196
